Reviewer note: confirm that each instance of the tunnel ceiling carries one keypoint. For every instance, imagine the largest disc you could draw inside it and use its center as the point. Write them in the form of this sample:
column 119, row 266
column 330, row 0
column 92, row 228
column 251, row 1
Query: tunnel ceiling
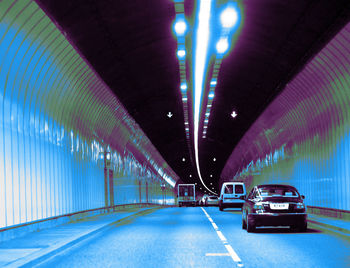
column 131, row 46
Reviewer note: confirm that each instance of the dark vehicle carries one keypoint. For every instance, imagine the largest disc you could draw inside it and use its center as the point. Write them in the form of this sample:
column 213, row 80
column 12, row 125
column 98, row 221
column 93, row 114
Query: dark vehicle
column 274, row 205
column 186, row 195
column 203, row 200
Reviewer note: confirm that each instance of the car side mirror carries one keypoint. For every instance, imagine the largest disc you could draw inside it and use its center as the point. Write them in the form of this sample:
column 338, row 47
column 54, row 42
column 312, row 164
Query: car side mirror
column 303, row 196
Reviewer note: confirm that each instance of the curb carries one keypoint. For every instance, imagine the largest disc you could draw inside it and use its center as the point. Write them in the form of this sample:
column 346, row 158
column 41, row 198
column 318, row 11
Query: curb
column 44, row 254
column 332, row 228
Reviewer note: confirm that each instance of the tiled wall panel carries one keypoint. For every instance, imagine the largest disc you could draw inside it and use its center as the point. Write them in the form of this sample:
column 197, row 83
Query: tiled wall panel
column 303, row 137
column 56, row 117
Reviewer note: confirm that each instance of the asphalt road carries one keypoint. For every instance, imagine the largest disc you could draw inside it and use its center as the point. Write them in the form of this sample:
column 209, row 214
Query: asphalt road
column 196, row 237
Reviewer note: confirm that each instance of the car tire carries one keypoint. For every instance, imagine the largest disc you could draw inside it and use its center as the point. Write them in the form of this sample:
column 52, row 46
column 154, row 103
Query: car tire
column 303, row 227
column 244, row 224
column 300, row 227
column 250, row 225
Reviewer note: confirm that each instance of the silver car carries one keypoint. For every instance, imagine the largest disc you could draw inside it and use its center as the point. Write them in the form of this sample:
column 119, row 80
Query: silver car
column 212, row 200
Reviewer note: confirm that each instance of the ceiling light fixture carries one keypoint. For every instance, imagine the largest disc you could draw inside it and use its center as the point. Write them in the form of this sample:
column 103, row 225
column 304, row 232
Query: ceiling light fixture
column 180, row 27
column 222, row 46
column 181, row 53
column 183, row 86
column 229, row 17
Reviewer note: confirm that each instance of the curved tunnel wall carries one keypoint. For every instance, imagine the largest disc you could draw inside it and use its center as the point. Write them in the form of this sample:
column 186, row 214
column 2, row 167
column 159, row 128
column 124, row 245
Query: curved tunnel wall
column 56, row 118
column 303, row 137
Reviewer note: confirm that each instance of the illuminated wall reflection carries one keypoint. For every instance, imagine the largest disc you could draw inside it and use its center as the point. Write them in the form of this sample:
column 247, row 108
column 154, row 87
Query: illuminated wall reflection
column 303, row 137
column 56, row 117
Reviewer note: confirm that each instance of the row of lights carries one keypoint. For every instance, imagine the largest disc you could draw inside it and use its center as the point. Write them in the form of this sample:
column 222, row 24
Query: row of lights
column 180, row 29
column 229, row 19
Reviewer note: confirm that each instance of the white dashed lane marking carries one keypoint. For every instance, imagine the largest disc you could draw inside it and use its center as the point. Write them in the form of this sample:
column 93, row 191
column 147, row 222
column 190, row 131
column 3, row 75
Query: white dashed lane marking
column 223, row 239
column 217, row 254
column 215, row 226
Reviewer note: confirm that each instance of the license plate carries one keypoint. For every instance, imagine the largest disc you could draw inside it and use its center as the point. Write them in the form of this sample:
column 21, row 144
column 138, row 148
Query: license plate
column 279, row 205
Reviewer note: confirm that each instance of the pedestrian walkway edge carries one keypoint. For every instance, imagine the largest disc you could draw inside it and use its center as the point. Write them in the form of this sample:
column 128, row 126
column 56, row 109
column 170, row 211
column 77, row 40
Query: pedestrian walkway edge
column 44, row 254
column 336, row 229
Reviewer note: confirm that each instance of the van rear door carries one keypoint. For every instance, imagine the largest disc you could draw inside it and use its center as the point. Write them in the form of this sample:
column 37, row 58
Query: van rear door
column 229, row 191
column 239, row 190
column 233, row 191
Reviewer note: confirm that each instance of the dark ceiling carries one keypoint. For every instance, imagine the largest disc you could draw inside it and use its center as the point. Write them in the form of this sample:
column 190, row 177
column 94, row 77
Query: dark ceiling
column 132, row 47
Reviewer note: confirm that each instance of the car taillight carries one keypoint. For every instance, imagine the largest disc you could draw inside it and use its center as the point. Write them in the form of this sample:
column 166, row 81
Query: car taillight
column 258, row 206
column 300, row 206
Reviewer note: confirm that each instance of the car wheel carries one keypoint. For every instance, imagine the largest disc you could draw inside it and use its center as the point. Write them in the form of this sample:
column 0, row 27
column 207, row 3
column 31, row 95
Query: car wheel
column 221, row 208
column 244, row 224
column 300, row 227
column 250, row 224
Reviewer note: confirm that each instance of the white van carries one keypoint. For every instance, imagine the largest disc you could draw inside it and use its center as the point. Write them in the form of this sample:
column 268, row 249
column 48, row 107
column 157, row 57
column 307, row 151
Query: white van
column 232, row 195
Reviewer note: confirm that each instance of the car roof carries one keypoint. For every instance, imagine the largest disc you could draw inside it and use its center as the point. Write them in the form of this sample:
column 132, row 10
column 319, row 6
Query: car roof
column 275, row 185
column 233, row 182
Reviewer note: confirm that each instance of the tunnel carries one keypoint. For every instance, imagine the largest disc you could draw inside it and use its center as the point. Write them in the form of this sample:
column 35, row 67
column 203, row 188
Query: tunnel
column 72, row 154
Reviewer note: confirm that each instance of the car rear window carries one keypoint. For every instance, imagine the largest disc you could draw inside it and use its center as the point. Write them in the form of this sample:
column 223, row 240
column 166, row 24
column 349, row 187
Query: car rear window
column 239, row 189
column 277, row 191
column 229, row 189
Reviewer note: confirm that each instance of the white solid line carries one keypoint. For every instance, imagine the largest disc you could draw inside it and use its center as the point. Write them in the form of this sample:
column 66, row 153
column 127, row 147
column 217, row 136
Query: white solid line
column 215, row 226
